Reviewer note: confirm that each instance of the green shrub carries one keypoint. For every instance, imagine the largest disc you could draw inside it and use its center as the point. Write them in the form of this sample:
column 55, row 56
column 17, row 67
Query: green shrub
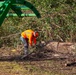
column 58, row 20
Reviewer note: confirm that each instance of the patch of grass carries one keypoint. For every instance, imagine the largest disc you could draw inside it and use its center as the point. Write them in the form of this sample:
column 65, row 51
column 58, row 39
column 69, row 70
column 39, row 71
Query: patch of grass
column 34, row 68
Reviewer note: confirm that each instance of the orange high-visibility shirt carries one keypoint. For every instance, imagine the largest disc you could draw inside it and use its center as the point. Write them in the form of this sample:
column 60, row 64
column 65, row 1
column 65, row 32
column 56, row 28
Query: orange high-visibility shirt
column 30, row 35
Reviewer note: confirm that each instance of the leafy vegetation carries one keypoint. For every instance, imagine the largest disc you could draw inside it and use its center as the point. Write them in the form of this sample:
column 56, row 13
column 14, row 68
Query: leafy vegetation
column 57, row 22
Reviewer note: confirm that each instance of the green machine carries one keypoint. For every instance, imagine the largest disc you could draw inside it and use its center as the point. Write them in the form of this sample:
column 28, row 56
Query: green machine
column 16, row 6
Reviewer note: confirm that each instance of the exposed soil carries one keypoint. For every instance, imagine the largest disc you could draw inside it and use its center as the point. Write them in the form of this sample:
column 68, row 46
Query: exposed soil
column 63, row 56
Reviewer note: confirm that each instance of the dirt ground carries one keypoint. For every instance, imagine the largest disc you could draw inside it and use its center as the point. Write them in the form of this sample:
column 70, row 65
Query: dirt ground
column 55, row 58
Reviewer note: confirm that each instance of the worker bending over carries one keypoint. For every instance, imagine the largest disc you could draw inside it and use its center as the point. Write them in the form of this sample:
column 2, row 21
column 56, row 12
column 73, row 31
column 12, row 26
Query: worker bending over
column 28, row 37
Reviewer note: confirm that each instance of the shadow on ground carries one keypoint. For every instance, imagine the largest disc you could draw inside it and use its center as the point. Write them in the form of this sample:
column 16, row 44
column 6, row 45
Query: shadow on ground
column 41, row 55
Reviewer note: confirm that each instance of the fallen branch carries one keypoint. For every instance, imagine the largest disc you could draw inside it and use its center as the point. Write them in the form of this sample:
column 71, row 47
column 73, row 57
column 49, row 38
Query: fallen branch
column 9, row 36
column 71, row 64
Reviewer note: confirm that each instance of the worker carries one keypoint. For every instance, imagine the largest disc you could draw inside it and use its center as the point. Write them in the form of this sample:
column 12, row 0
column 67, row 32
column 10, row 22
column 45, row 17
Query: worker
column 28, row 37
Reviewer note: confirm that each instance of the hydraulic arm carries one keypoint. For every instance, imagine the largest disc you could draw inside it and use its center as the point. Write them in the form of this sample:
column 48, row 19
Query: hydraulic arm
column 16, row 6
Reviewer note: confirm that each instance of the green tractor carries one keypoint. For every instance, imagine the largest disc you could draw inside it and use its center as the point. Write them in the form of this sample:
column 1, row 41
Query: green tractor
column 16, row 6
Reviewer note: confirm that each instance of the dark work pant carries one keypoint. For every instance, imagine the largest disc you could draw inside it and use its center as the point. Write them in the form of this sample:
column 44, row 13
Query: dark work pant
column 25, row 42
